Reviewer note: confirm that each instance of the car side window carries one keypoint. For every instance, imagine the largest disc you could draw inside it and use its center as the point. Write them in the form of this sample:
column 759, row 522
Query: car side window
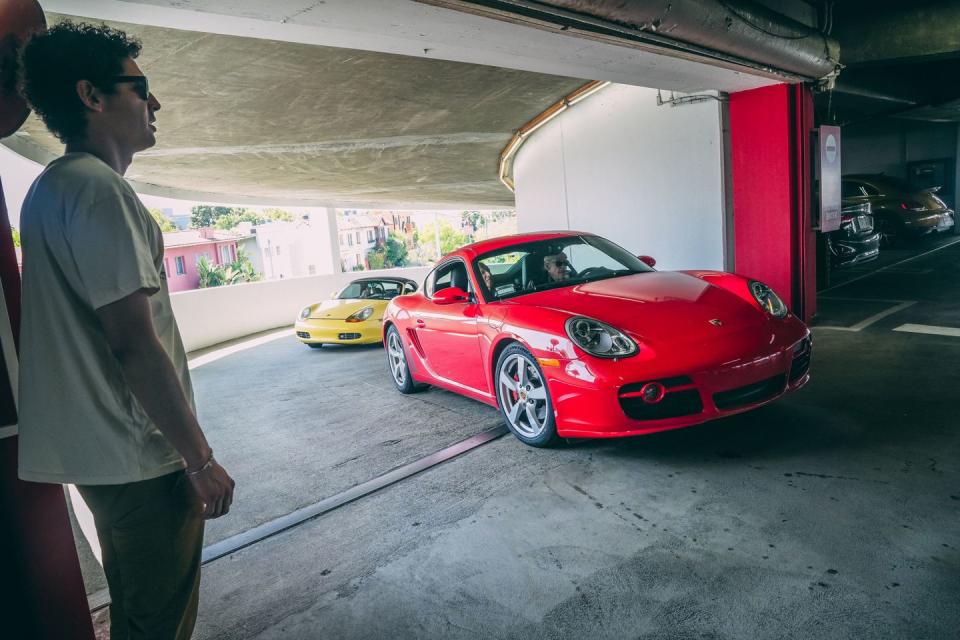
column 452, row 274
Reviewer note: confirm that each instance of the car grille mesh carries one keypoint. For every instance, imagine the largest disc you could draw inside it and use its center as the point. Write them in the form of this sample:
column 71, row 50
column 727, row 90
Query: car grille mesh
column 750, row 394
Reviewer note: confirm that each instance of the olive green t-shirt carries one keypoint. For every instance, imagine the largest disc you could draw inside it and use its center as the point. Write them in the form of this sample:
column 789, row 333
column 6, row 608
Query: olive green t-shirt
column 87, row 242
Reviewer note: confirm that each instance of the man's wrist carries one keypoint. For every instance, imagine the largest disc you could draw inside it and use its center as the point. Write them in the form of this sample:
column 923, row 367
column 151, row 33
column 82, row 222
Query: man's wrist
column 201, row 465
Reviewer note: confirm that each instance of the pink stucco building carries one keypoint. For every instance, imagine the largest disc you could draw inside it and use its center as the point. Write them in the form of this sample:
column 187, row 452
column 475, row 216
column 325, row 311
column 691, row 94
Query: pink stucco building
column 182, row 250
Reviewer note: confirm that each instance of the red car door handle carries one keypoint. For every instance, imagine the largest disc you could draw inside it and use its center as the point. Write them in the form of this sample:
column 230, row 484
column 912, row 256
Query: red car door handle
column 420, row 323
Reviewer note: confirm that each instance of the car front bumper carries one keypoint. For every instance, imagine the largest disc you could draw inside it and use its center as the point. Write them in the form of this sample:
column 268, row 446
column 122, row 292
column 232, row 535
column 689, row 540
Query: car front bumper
column 848, row 251
column 596, row 398
column 324, row 331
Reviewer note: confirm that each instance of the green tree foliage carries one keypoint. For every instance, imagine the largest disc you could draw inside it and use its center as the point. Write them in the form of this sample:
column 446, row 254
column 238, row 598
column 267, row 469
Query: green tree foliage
column 393, row 253
column 236, row 216
column 450, row 238
column 474, row 219
column 218, row 275
column 206, row 216
column 166, row 224
column 16, row 237
column 396, row 250
column 278, row 215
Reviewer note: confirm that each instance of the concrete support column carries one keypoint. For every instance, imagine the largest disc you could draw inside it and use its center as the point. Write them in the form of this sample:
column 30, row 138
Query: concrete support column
column 770, row 131
column 325, row 222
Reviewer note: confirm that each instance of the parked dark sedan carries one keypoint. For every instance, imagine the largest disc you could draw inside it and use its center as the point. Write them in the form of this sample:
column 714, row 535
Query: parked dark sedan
column 899, row 210
column 856, row 241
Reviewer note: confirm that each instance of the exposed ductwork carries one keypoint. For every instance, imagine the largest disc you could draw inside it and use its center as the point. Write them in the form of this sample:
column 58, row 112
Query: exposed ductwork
column 728, row 31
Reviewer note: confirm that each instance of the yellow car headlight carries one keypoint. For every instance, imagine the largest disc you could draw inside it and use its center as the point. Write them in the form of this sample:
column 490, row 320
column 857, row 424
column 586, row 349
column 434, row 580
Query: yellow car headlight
column 361, row 315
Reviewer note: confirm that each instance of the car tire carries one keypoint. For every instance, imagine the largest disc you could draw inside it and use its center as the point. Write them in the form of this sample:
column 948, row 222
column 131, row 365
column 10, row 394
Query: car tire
column 529, row 417
column 315, row 345
column 397, row 364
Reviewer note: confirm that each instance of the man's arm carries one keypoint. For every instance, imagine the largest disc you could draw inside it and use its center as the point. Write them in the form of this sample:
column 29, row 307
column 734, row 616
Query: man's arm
column 128, row 326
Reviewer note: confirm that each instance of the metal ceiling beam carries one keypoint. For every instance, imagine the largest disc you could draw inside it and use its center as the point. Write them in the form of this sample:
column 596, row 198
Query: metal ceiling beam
column 726, row 32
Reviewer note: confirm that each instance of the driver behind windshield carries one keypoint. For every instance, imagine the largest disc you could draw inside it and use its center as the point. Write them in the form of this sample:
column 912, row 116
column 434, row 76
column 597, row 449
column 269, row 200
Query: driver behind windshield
column 557, row 267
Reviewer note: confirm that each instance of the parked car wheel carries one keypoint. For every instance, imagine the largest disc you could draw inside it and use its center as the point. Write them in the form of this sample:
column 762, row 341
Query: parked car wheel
column 524, row 398
column 397, row 363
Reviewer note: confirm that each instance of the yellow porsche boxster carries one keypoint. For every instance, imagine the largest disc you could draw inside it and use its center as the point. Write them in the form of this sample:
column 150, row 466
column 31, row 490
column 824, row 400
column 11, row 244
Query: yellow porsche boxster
column 353, row 315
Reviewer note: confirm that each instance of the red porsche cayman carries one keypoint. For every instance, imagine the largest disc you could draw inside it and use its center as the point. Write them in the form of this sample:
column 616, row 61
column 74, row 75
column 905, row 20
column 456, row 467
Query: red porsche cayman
column 572, row 336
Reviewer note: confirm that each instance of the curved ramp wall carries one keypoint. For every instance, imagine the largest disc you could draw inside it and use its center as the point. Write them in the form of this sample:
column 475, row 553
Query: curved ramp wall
column 210, row 316
column 645, row 176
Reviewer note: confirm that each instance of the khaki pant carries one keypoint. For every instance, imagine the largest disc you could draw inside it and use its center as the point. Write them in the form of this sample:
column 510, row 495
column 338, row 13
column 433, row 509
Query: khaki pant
column 151, row 535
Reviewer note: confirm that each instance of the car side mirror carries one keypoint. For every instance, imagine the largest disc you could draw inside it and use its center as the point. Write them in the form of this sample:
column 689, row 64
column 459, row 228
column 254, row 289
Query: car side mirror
column 450, row 295
column 647, row 260
column 333, row 294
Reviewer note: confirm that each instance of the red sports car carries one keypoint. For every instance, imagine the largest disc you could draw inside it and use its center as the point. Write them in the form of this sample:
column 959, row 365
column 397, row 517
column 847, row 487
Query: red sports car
column 574, row 337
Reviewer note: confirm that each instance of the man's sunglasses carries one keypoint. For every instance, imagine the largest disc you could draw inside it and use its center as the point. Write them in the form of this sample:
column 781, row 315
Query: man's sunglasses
column 140, row 84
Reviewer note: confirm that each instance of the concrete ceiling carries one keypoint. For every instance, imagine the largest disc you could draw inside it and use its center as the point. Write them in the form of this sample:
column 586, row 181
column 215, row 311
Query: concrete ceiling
column 264, row 103
column 900, row 60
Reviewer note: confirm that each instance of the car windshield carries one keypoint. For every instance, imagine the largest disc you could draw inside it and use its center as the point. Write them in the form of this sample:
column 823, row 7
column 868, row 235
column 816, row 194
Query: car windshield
column 547, row 264
column 371, row 289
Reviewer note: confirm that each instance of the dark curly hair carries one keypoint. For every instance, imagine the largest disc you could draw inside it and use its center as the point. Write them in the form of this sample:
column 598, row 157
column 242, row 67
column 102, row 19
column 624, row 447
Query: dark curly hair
column 53, row 61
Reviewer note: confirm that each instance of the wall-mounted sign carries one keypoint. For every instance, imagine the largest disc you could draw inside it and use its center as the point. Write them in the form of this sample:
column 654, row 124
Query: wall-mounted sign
column 829, row 178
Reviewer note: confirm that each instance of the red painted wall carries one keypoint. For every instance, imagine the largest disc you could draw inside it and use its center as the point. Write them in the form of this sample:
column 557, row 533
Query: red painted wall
column 43, row 594
column 769, row 150
column 762, row 199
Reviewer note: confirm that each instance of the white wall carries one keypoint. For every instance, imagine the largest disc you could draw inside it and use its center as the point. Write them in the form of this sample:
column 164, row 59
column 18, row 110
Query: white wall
column 649, row 178
column 210, row 316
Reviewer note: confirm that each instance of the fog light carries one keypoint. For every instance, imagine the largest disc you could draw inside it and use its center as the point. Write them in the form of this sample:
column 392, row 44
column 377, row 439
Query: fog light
column 652, row 392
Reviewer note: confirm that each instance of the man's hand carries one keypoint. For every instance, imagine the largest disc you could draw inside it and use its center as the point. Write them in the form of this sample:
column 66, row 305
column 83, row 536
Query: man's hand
column 214, row 489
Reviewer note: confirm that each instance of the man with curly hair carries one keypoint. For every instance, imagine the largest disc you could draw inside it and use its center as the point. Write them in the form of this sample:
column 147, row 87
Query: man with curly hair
column 106, row 401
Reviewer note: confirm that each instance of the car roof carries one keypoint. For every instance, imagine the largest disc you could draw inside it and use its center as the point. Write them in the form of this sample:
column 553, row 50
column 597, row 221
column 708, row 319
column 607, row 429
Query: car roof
column 378, row 279
column 493, row 244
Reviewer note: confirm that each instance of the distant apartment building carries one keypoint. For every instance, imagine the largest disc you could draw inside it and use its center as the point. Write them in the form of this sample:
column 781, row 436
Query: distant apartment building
column 281, row 250
column 183, row 250
column 403, row 224
column 360, row 234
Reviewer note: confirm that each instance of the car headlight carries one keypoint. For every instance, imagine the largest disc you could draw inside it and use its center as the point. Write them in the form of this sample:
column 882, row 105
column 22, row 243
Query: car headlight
column 305, row 313
column 768, row 300
column 361, row 315
column 599, row 339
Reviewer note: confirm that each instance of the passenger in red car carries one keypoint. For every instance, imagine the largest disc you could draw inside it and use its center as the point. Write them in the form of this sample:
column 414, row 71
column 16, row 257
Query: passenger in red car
column 487, row 276
column 557, row 266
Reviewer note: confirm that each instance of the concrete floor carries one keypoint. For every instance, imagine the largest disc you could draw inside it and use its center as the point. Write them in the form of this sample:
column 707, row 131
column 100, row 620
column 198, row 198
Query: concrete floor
column 832, row 513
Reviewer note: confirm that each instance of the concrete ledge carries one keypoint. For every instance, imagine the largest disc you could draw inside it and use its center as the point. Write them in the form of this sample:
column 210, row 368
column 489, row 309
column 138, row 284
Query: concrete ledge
column 213, row 316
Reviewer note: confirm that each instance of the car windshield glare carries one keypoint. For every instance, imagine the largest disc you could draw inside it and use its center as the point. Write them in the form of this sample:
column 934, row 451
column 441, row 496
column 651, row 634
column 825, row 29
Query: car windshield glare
column 371, row 290
column 546, row 264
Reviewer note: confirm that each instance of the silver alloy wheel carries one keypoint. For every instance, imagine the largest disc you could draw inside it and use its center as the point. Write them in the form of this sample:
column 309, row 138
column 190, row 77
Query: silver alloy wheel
column 398, row 360
column 523, row 396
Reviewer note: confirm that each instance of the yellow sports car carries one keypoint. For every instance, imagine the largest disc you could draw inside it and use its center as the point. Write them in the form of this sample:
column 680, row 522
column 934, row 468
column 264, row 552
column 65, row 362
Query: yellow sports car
column 353, row 315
